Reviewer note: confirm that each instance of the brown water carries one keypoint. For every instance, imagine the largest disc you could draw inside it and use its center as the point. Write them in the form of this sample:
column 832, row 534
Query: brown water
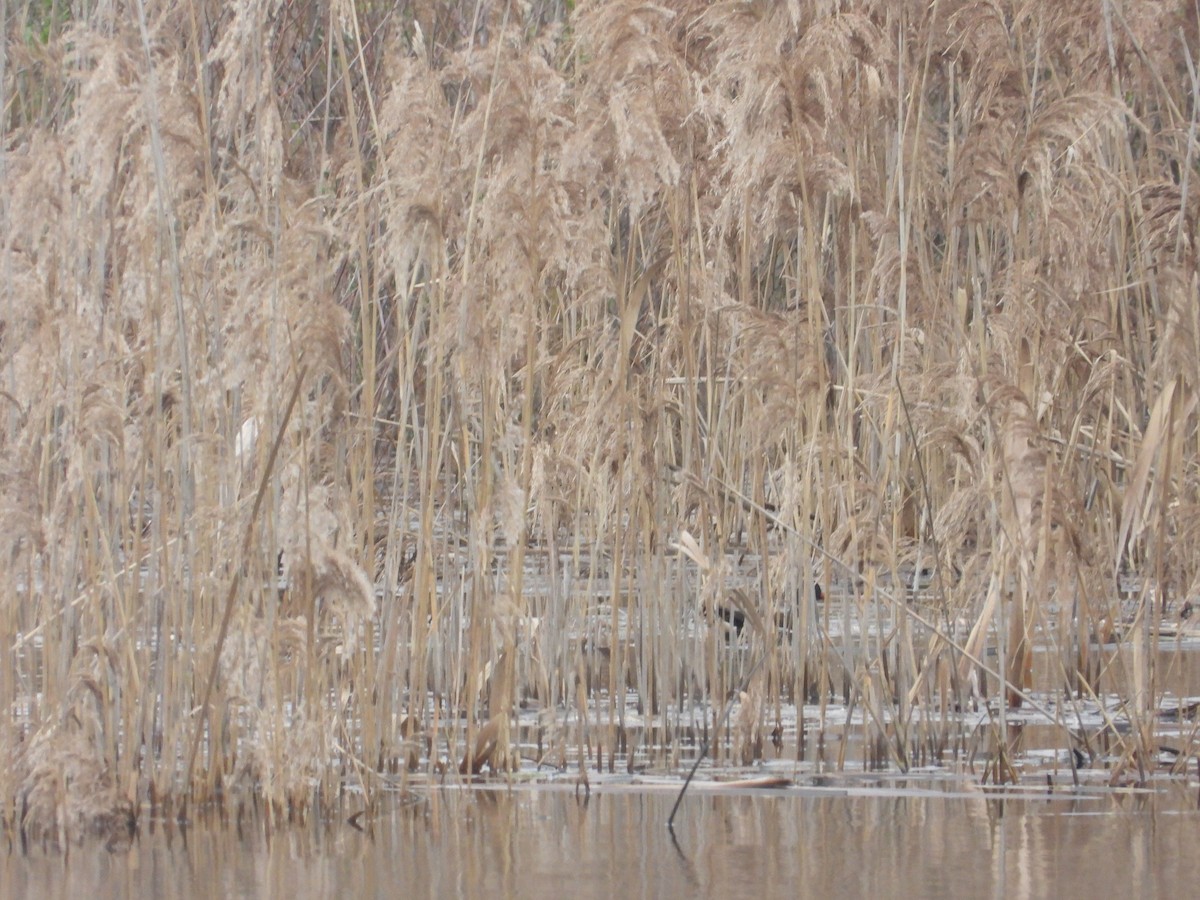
column 858, row 840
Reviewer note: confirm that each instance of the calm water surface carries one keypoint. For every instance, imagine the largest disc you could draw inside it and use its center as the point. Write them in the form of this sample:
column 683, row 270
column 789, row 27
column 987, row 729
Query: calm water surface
column 545, row 842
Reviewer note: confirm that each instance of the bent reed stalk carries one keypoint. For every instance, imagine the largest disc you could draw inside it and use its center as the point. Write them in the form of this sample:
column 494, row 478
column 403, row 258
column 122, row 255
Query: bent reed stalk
column 894, row 298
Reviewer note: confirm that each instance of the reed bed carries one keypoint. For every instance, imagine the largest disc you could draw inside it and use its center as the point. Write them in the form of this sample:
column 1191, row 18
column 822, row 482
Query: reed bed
column 372, row 372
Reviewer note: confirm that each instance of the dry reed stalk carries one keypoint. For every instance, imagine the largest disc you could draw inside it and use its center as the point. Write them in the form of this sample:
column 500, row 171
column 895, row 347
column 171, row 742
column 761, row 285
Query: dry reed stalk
column 234, row 585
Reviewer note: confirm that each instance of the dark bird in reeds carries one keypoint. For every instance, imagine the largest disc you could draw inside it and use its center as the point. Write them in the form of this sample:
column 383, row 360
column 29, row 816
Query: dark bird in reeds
column 735, row 615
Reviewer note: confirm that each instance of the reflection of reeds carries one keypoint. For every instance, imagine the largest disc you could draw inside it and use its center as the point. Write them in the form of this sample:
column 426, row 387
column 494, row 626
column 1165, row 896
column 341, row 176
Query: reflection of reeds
column 842, row 295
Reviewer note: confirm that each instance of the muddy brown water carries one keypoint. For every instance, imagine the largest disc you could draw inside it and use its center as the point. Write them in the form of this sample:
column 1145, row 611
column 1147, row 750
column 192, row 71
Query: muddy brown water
column 906, row 838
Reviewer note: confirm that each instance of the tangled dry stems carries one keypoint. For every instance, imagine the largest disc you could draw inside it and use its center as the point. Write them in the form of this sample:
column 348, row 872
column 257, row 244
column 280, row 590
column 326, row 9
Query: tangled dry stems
column 911, row 283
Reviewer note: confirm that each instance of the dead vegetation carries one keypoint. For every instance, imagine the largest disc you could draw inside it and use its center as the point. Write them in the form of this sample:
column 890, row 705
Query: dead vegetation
column 841, row 291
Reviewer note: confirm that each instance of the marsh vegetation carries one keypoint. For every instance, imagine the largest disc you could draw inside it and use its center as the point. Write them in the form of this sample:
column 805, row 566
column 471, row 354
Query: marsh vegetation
column 382, row 384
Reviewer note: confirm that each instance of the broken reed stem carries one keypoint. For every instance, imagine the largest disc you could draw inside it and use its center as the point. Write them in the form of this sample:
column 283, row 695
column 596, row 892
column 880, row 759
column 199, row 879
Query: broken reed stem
column 704, row 744
column 234, row 583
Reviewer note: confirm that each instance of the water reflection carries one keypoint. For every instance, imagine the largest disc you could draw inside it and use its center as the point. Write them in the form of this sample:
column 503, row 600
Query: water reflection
column 549, row 843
